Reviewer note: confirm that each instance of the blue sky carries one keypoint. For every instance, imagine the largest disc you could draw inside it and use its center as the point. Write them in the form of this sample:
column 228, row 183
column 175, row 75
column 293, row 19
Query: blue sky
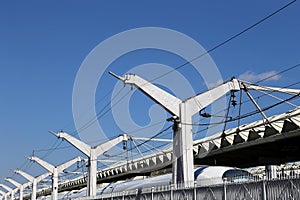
column 43, row 43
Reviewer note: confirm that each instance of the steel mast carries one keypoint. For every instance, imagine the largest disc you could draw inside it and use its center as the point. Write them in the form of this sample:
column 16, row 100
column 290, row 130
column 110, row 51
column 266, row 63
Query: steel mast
column 182, row 111
column 55, row 170
column 18, row 185
column 33, row 180
column 4, row 195
column 9, row 190
column 92, row 153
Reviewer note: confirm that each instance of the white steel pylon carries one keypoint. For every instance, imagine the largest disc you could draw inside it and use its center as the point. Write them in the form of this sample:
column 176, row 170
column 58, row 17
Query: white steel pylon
column 33, row 180
column 4, row 195
column 183, row 164
column 92, row 153
column 10, row 190
column 18, row 185
column 55, row 170
column 183, row 110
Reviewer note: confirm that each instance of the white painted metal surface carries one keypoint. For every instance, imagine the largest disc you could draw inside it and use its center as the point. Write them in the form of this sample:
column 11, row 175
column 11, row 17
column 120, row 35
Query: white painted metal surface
column 33, row 180
column 18, row 185
column 92, row 153
column 4, row 195
column 55, row 170
column 248, row 134
column 10, row 190
column 244, row 137
column 183, row 111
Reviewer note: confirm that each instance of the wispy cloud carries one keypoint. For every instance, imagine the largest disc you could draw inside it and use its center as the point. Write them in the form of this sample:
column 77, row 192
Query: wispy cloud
column 214, row 84
column 253, row 77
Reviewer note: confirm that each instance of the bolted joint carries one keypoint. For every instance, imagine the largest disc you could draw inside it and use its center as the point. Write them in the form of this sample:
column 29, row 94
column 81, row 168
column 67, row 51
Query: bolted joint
column 172, row 119
column 31, row 158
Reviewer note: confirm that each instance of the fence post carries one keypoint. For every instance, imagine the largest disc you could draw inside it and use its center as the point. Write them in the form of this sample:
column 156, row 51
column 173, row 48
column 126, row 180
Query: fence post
column 195, row 190
column 264, row 192
column 152, row 193
column 172, row 188
column 225, row 189
column 123, row 195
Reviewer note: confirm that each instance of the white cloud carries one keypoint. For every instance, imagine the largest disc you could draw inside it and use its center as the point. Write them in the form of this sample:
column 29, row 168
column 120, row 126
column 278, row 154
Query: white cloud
column 212, row 85
column 252, row 77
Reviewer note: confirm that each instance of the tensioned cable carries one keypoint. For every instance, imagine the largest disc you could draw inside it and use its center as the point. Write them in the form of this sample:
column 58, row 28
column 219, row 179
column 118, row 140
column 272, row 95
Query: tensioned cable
column 257, row 97
column 228, row 40
column 146, row 127
column 278, row 73
column 266, row 108
column 94, row 119
column 278, row 98
column 210, row 50
column 271, row 76
column 270, row 92
column 159, row 133
column 224, row 42
column 132, row 148
column 244, row 116
column 103, row 112
column 55, row 148
column 155, row 148
column 250, row 113
column 151, row 150
column 50, row 149
column 103, row 140
column 213, row 125
column 92, row 106
column 164, row 130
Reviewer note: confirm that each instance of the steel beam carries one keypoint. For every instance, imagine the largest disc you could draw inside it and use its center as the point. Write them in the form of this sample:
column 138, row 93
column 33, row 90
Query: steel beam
column 4, row 195
column 18, row 185
column 55, row 170
column 10, row 190
column 33, row 180
column 182, row 112
column 92, row 153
